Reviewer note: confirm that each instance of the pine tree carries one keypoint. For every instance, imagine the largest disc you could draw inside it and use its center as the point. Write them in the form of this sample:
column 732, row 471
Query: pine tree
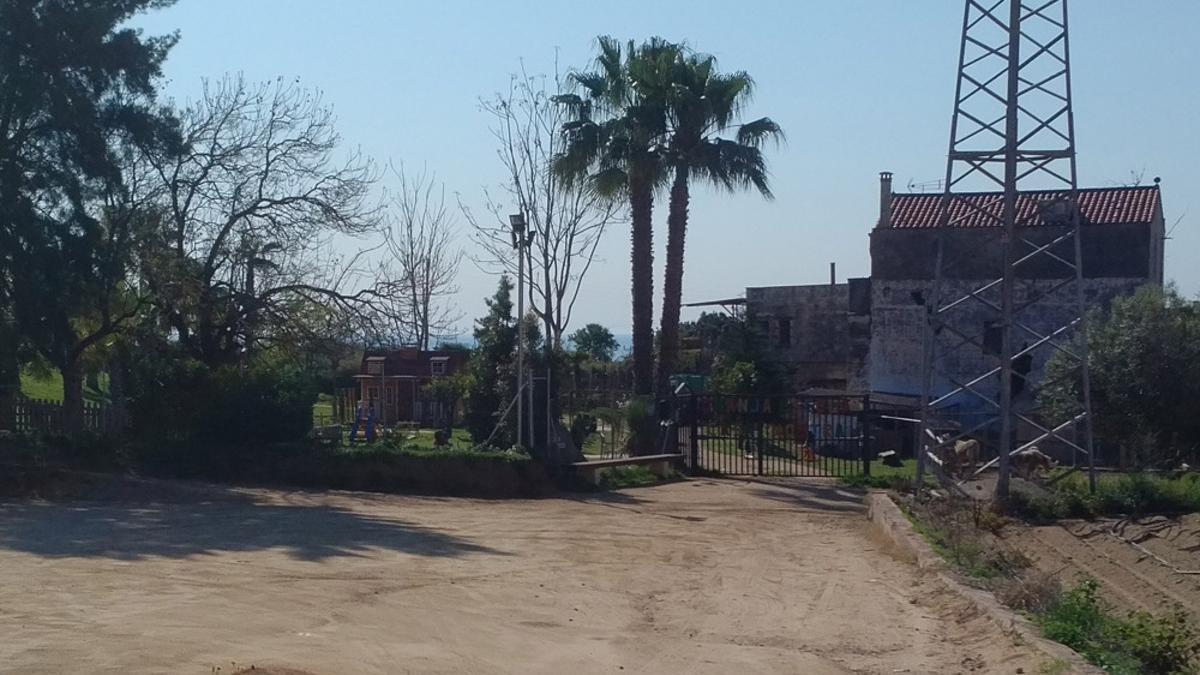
column 492, row 376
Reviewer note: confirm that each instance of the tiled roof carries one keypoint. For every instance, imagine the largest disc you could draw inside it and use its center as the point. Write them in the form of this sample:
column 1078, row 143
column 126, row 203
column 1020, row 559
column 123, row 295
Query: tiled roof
column 1099, row 206
column 413, row 362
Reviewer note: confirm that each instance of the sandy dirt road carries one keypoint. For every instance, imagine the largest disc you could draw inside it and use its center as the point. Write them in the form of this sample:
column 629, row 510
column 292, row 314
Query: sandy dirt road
column 695, row 577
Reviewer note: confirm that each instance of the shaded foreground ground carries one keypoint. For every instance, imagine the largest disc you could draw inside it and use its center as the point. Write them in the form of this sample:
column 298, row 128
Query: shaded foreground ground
column 698, row 577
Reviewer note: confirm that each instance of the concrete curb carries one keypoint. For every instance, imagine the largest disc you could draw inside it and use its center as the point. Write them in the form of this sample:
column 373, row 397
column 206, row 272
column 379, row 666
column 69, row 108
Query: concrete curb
column 891, row 525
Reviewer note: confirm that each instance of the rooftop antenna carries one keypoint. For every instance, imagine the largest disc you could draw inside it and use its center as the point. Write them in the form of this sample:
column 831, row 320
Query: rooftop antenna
column 1012, row 130
column 925, row 186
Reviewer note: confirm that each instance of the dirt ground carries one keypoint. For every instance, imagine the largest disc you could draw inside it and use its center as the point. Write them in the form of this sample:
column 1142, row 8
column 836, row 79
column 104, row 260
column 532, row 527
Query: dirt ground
column 1162, row 570
column 700, row 576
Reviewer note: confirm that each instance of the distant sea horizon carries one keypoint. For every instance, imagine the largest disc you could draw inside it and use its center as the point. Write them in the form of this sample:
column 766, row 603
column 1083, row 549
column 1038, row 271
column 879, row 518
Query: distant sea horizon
column 624, row 342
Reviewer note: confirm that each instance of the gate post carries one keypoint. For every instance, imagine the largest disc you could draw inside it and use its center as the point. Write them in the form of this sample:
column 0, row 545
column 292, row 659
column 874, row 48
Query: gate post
column 866, row 435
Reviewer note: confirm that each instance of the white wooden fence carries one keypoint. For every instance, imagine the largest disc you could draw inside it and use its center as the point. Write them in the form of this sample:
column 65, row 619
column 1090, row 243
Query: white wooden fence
column 36, row 416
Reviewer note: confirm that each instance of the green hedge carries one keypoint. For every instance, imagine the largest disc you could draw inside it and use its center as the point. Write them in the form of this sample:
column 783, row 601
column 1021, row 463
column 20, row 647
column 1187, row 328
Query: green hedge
column 182, row 400
column 1116, row 495
column 483, row 473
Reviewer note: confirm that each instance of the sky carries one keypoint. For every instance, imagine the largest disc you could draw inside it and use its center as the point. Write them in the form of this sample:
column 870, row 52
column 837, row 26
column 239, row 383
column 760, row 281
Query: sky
column 859, row 86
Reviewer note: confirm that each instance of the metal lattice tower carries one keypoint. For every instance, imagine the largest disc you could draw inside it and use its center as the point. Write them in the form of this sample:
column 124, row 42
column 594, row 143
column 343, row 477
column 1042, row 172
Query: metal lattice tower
column 1008, row 285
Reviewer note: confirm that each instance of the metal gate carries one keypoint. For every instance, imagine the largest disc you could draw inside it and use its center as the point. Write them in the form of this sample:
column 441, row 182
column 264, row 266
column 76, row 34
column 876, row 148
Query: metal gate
column 820, row 436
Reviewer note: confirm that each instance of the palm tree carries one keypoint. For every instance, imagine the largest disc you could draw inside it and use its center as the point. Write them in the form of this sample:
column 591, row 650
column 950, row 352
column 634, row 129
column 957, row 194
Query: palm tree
column 701, row 106
column 614, row 143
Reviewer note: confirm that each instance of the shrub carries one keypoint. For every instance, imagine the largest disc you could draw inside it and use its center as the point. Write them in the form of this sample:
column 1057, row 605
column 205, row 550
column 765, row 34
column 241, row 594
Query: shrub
column 184, row 401
column 1144, row 362
column 485, row 473
column 1033, row 592
column 1127, row 495
column 1164, row 644
column 1142, row 644
column 642, row 426
column 264, row 404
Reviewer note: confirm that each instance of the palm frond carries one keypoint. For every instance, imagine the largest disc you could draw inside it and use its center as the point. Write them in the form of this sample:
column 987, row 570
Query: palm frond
column 732, row 166
column 759, row 131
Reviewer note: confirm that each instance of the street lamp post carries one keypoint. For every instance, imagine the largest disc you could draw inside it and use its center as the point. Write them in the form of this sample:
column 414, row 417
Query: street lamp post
column 520, row 242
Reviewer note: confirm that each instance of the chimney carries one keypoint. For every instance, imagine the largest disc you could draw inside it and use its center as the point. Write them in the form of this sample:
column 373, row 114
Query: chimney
column 833, row 274
column 885, row 199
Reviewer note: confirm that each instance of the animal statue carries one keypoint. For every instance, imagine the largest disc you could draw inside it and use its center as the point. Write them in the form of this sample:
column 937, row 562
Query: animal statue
column 960, row 459
column 1031, row 463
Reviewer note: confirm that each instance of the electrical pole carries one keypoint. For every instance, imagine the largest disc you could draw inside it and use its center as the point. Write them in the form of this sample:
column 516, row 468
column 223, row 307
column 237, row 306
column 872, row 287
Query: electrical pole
column 1011, row 179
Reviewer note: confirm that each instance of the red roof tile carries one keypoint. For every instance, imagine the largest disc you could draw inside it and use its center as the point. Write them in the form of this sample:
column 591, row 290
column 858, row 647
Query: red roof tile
column 1099, row 206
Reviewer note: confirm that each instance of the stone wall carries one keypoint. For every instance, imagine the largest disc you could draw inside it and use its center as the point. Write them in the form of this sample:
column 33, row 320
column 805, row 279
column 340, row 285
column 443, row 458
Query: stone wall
column 808, row 327
column 898, row 329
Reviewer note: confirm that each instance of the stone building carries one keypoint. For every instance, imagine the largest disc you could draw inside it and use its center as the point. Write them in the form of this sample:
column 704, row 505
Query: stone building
column 1122, row 244
column 866, row 335
column 819, row 330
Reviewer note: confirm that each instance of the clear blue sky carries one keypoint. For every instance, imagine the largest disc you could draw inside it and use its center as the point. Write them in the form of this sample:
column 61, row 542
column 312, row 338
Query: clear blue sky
column 859, row 86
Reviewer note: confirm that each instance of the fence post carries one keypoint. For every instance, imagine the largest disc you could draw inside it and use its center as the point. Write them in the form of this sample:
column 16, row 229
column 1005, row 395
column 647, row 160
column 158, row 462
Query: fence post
column 694, row 437
column 866, row 435
column 758, row 436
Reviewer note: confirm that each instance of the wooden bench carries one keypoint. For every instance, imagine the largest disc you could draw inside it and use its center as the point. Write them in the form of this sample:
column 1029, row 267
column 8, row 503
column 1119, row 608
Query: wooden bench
column 657, row 464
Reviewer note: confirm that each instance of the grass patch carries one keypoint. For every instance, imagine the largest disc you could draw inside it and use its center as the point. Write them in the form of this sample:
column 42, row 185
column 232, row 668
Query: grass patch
column 620, row 477
column 48, row 386
column 884, row 477
column 1132, row 495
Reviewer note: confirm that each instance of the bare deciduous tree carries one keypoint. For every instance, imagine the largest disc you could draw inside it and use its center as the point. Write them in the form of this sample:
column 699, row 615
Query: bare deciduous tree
column 240, row 256
column 568, row 219
column 424, row 260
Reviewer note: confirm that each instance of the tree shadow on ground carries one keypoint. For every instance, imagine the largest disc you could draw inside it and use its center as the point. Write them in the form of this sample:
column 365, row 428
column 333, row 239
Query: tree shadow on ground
column 211, row 522
column 812, row 495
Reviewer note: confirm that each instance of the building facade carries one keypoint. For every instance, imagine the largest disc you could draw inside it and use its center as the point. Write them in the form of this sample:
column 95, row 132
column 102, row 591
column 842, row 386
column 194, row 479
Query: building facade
column 1122, row 246
column 867, row 335
column 391, row 384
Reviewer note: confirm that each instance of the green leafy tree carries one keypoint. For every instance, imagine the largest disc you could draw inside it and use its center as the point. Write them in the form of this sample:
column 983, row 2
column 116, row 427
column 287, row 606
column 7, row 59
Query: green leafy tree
column 742, row 363
column 1144, row 358
column 614, row 144
column 491, row 382
column 446, row 392
column 77, row 85
column 702, row 106
column 596, row 342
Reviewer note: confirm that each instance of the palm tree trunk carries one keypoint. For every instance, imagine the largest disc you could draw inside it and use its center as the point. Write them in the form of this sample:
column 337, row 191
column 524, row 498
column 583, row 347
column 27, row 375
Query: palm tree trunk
column 673, row 282
column 641, row 205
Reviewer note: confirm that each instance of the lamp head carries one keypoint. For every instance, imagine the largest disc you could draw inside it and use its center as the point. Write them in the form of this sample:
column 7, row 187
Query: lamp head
column 517, row 222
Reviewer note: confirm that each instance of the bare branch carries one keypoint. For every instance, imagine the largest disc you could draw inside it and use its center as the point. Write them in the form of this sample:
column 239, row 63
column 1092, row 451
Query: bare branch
column 568, row 220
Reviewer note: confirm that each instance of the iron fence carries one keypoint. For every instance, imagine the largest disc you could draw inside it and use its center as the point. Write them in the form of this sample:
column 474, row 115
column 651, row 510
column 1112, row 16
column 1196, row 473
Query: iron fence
column 825, row 436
